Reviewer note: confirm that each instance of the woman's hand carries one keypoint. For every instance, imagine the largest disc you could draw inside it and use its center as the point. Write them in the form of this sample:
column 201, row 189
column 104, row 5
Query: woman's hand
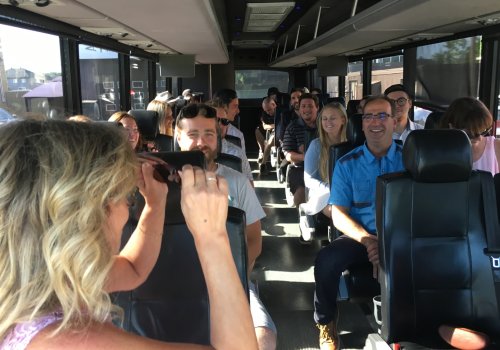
column 153, row 190
column 204, row 202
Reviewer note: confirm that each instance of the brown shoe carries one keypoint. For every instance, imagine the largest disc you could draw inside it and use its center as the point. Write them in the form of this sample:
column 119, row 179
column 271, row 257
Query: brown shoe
column 328, row 339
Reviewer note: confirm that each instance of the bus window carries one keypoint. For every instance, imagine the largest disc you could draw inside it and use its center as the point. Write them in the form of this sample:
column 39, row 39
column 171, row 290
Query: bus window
column 30, row 87
column 332, row 86
column 254, row 83
column 386, row 71
column 354, row 81
column 448, row 70
column 139, row 93
column 99, row 82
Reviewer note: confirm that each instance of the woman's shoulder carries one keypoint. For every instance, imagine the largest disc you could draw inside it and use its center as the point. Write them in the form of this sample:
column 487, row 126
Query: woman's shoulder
column 97, row 336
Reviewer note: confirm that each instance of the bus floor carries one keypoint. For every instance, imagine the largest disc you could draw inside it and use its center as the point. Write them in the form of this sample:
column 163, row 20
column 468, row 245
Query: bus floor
column 284, row 273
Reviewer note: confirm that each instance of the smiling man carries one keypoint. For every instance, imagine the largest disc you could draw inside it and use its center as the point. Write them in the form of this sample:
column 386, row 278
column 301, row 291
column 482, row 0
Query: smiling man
column 353, row 211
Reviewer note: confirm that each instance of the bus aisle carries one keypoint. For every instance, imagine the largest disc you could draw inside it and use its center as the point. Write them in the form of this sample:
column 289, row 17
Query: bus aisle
column 285, row 276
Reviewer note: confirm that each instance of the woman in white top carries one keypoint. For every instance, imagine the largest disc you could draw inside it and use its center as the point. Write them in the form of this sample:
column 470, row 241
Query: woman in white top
column 332, row 123
column 472, row 116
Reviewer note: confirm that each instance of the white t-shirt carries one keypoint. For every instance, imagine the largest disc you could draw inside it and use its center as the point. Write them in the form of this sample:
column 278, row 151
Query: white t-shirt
column 241, row 194
column 230, row 148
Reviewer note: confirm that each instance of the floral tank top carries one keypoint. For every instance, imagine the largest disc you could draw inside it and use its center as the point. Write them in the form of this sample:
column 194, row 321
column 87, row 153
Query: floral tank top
column 23, row 333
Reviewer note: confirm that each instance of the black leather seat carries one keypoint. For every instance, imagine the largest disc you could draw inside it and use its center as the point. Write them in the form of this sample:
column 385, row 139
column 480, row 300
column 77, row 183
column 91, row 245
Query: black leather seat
column 233, row 139
column 231, row 161
column 433, row 120
column 431, row 228
column 147, row 122
column 172, row 305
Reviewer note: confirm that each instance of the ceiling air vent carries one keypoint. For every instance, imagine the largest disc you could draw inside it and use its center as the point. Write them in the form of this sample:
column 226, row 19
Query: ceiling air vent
column 266, row 17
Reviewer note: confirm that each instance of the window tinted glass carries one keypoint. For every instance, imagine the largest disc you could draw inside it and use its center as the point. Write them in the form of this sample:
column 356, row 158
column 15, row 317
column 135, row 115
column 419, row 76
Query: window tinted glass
column 254, row 83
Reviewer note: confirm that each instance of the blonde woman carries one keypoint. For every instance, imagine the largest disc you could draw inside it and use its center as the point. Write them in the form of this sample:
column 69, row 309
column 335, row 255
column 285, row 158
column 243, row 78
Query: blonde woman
column 165, row 116
column 332, row 122
column 130, row 125
column 63, row 205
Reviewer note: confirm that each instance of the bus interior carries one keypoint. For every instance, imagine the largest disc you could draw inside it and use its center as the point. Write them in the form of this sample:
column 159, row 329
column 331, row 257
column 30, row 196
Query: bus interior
column 60, row 58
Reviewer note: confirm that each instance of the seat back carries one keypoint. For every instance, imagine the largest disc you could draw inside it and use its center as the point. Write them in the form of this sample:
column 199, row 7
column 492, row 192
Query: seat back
column 147, row 122
column 433, row 120
column 164, row 143
column 231, row 161
column 352, row 107
column 431, row 229
column 172, row 304
column 233, row 139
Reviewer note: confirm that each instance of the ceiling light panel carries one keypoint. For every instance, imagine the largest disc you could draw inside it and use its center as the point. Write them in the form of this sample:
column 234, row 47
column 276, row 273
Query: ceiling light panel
column 266, row 17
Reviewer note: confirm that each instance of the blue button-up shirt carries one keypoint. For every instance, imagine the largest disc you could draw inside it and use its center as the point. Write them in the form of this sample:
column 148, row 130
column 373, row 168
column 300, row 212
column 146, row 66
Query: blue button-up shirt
column 354, row 181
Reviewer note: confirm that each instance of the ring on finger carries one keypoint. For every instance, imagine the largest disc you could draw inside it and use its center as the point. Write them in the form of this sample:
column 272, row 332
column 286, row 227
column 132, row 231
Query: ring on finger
column 211, row 178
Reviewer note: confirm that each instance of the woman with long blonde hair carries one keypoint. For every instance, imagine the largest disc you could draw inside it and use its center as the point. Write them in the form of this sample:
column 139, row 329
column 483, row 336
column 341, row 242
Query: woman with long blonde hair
column 63, row 206
column 165, row 116
column 332, row 122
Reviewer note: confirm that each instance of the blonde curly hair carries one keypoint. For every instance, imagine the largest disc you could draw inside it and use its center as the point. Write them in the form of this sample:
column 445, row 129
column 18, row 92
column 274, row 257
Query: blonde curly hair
column 56, row 181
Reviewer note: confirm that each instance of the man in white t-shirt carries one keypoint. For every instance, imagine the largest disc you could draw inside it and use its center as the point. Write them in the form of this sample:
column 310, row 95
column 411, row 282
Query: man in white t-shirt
column 229, row 99
column 197, row 129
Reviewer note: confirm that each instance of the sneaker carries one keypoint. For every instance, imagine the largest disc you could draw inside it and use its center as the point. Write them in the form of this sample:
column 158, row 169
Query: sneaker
column 327, row 336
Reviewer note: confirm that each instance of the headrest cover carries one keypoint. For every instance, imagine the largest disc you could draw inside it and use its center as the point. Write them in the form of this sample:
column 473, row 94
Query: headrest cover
column 147, row 121
column 438, row 155
column 354, row 132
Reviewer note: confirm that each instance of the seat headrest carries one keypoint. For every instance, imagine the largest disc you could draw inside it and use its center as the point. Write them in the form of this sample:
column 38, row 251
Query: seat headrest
column 433, row 120
column 147, row 122
column 438, row 155
column 354, row 132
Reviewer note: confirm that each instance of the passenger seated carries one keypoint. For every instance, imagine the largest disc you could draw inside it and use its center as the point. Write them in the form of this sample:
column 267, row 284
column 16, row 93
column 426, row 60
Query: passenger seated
column 65, row 189
column 298, row 135
column 353, row 211
column 229, row 99
column 230, row 148
column 401, row 97
column 196, row 129
column 473, row 117
column 165, row 116
column 130, row 125
column 332, row 130
column 264, row 133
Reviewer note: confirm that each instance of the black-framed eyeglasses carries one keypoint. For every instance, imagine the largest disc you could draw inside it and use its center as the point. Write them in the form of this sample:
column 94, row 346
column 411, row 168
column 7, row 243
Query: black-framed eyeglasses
column 224, row 121
column 400, row 101
column 375, row 116
column 485, row 132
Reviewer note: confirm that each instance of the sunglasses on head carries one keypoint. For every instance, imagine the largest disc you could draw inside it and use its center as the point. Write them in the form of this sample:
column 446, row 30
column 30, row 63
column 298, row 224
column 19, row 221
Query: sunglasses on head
column 485, row 132
column 224, row 121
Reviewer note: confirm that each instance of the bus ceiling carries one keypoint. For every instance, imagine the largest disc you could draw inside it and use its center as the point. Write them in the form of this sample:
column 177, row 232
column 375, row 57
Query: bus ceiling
column 294, row 33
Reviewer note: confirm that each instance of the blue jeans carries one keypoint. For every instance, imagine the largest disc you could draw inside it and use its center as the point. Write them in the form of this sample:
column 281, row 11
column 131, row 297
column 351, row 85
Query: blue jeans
column 331, row 261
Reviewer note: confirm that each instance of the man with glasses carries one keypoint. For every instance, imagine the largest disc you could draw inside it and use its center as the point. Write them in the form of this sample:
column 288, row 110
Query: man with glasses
column 402, row 99
column 352, row 199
